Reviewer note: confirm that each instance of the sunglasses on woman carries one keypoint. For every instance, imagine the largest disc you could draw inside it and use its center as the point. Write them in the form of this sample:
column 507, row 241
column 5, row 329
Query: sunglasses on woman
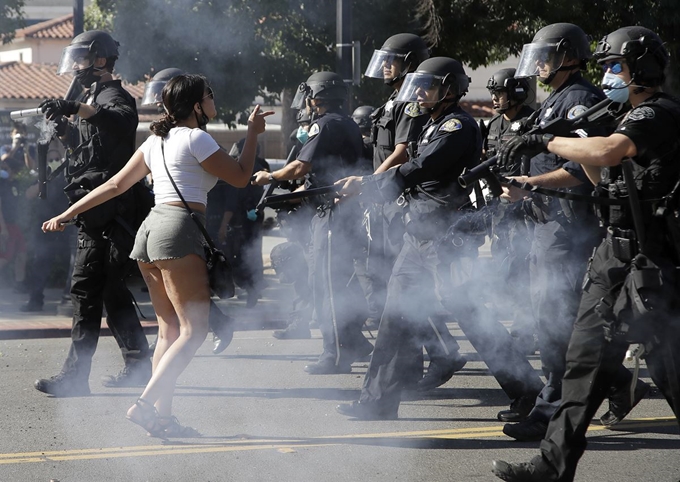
column 210, row 94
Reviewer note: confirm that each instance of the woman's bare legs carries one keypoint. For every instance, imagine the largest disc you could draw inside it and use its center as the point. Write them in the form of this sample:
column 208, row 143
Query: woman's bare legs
column 180, row 295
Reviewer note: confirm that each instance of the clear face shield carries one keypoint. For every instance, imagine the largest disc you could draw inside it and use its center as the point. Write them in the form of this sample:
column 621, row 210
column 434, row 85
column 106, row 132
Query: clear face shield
column 299, row 101
column 153, row 92
column 421, row 87
column 540, row 60
column 384, row 64
column 75, row 58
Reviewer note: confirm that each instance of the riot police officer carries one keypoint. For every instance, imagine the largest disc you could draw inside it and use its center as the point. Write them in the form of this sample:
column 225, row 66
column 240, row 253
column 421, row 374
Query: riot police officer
column 333, row 150
column 637, row 165
column 362, row 116
column 396, row 127
column 154, row 88
column 565, row 232
column 421, row 279
column 510, row 236
column 103, row 137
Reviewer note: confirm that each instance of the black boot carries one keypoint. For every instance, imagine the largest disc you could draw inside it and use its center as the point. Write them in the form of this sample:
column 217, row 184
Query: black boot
column 519, row 409
column 63, row 385
column 438, row 374
column 620, row 404
column 522, row 472
column 133, row 375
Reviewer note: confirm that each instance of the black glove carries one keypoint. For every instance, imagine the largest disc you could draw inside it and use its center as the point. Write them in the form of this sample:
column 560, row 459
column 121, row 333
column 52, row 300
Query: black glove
column 53, row 108
column 529, row 145
column 62, row 125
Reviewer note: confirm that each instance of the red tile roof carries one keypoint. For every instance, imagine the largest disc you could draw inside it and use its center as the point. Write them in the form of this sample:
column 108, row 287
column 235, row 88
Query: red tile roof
column 56, row 28
column 40, row 81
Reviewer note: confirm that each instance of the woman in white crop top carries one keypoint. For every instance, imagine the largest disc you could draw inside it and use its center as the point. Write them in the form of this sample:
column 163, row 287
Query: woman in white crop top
column 169, row 246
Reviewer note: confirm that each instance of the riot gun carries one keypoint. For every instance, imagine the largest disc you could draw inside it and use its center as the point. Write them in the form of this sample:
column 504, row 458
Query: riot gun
column 20, row 114
column 44, row 177
column 603, row 113
column 282, row 200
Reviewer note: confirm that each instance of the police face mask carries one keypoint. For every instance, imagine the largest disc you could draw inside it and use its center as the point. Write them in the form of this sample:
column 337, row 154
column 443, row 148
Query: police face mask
column 302, row 135
column 86, row 77
column 615, row 88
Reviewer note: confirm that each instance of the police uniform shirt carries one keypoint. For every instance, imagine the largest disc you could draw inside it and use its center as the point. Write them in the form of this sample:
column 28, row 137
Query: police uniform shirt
column 446, row 146
column 108, row 137
column 395, row 123
column 500, row 130
column 653, row 128
column 573, row 98
column 333, row 148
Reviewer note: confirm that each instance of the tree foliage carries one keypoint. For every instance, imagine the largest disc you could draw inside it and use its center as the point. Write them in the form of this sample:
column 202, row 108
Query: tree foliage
column 265, row 47
column 11, row 18
column 480, row 32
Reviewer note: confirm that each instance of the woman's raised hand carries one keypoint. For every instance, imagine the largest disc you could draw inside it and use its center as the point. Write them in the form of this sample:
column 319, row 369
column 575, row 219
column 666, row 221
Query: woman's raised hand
column 257, row 121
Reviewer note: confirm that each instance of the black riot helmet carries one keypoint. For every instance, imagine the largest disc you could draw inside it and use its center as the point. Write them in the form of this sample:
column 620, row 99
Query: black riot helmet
column 154, row 87
column 362, row 117
column 643, row 50
column 85, row 49
column 518, row 90
column 327, row 87
column 551, row 46
column 442, row 73
column 408, row 49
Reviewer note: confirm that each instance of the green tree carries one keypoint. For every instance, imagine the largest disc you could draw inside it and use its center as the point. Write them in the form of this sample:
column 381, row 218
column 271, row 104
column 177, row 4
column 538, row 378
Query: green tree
column 247, row 47
column 11, row 18
column 480, row 32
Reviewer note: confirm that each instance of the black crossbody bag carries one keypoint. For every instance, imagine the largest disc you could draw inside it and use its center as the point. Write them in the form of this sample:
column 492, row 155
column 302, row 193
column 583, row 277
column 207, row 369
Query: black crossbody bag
column 220, row 272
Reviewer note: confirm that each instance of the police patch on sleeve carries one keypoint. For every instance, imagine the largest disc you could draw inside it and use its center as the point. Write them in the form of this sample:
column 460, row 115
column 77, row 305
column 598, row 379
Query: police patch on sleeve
column 641, row 113
column 451, row 125
column 576, row 111
column 314, row 130
column 413, row 110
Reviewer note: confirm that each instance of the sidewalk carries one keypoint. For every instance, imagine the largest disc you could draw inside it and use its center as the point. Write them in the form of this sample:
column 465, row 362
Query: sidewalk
column 269, row 313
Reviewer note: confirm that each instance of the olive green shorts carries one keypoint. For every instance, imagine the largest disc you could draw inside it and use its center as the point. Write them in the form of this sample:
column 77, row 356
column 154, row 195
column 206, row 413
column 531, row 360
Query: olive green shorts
column 168, row 232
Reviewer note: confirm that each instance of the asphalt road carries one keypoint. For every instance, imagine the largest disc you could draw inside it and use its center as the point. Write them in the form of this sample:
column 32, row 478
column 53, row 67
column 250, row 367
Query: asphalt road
column 263, row 418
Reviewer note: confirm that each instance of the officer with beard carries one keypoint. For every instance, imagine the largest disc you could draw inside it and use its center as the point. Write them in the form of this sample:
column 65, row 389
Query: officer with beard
column 333, row 150
column 634, row 269
column 103, row 137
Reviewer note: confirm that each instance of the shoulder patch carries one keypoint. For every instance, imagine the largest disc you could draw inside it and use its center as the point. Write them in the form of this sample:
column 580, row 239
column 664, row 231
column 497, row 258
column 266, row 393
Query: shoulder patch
column 413, row 110
column 451, row 125
column 641, row 113
column 313, row 130
column 576, row 111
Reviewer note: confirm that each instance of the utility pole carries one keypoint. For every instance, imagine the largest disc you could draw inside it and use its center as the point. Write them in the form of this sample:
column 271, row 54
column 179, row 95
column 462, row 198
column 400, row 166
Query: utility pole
column 343, row 43
column 78, row 16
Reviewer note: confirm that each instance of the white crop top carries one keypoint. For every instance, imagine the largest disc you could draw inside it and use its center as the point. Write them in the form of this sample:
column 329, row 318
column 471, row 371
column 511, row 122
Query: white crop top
column 185, row 149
